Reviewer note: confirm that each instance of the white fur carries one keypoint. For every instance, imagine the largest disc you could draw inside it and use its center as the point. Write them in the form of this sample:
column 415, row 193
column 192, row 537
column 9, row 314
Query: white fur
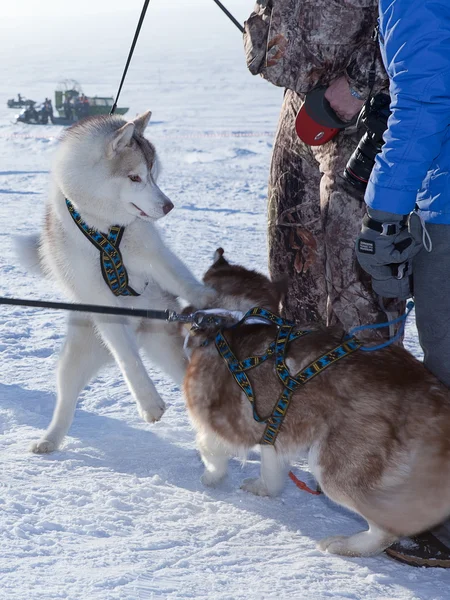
column 271, row 481
column 83, row 173
column 214, row 456
column 26, row 247
column 365, row 543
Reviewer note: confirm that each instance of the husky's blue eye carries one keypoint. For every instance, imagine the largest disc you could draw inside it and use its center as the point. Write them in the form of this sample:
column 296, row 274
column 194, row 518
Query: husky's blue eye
column 135, row 178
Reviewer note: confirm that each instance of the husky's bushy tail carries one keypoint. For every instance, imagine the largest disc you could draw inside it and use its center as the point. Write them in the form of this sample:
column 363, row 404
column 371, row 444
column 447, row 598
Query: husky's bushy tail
column 27, row 250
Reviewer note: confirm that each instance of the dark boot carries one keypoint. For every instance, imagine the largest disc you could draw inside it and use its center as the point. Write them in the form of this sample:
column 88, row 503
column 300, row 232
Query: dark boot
column 423, row 550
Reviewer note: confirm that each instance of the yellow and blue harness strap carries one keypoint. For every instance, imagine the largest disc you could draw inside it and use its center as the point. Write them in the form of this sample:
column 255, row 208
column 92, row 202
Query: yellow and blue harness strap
column 238, row 368
column 277, row 349
column 111, row 263
column 292, row 383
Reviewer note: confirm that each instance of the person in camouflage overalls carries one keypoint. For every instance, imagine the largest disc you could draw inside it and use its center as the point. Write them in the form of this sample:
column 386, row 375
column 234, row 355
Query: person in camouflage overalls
column 314, row 216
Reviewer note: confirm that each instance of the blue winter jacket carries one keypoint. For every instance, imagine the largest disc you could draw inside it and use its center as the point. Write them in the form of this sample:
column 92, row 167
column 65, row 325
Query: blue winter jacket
column 414, row 165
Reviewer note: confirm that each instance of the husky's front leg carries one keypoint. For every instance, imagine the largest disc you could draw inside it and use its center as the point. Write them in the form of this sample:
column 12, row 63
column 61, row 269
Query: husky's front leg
column 273, row 474
column 174, row 277
column 214, row 457
column 121, row 342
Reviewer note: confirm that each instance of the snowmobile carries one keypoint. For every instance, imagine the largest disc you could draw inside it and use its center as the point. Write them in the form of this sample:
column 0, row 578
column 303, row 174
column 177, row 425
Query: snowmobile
column 30, row 114
column 39, row 115
column 20, row 102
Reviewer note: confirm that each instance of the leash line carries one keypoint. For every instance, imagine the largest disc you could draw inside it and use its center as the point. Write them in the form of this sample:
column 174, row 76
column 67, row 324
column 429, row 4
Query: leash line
column 164, row 315
column 229, row 15
column 136, row 37
column 130, row 54
column 401, row 319
column 302, row 485
column 199, row 318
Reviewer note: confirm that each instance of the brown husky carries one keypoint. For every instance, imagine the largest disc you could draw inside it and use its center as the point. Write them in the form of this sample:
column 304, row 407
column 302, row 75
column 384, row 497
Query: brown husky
column 376, row 425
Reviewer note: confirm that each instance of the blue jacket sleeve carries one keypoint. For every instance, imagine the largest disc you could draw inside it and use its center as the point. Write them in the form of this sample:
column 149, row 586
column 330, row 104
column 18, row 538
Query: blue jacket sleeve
column 415, row 42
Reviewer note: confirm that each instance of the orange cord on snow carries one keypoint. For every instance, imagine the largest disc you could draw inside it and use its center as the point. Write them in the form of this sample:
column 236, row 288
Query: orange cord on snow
column 302, row 485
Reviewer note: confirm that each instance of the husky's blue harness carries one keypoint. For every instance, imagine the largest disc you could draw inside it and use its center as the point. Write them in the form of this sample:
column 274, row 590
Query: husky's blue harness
column 111, row 263
column 277, row 349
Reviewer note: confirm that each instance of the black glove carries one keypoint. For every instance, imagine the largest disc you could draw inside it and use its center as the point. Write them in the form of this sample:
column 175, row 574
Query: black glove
column 385, row 248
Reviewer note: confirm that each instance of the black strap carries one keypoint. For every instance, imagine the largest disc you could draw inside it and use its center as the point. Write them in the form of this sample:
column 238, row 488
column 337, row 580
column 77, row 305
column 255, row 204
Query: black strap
column 130, row 55
column 385, row 228
column 163, row 315
column 229, row 15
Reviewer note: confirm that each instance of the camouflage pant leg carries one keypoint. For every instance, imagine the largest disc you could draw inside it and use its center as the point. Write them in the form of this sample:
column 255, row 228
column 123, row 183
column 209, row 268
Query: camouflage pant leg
column 314, row 219
column 295, row 237
column 350, row 299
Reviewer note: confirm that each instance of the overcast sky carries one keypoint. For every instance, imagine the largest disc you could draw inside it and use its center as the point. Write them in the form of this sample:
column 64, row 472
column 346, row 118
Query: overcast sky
column 20, row 8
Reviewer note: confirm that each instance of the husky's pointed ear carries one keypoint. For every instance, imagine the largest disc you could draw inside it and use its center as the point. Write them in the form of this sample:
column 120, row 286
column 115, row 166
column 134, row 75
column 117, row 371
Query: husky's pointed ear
column 120, row 140
column 141, row 122
column 219, row 260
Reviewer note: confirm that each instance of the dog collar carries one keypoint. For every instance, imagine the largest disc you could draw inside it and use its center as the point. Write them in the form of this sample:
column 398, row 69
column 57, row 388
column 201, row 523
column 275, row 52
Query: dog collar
column 111, row 263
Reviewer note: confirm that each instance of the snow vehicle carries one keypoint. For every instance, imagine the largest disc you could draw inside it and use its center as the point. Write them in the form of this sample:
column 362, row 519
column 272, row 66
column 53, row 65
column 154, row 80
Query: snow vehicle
column 20, row 102
column 40, row 114
column 72, row 104
column 32, row 114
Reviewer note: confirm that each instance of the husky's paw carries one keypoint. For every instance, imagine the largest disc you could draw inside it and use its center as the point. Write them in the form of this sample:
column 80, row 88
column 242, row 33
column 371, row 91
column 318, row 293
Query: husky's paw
column 365, row 543
column 153, row 414
column 336, row 544
column 43, row 447
column 211, row 478
column 255, row 485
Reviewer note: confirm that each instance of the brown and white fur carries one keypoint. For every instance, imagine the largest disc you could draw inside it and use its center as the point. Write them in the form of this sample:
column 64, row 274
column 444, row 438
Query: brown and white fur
column 375, row 425
column 107, row 169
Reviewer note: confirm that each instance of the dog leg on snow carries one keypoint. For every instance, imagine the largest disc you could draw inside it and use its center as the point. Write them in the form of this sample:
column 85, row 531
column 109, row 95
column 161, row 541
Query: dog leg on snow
column 122, row 344
column 366, row 543
column 273, row 474
column 82, row 356
column 214, row 457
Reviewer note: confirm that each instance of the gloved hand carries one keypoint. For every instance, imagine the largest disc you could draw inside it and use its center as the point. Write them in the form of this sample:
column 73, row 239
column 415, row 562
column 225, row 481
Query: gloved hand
column 385, row 248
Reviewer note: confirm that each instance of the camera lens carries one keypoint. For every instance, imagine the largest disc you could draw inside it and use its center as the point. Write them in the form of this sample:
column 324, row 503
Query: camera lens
column 360, row 164
column 374, row 118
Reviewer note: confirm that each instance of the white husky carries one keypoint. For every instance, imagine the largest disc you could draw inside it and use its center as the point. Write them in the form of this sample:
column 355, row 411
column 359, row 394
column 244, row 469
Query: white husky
column 106, row 169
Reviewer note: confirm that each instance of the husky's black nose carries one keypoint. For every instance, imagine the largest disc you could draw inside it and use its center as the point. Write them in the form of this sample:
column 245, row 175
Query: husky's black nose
column 167, row 207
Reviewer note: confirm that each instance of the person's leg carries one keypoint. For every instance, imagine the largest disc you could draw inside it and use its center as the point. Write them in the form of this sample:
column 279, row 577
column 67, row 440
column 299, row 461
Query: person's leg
column 351, row 301
column 294, row 227
column 432, row 299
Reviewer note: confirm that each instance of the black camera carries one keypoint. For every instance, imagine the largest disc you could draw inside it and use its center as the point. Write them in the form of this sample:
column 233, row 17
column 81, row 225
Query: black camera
column 374, row 116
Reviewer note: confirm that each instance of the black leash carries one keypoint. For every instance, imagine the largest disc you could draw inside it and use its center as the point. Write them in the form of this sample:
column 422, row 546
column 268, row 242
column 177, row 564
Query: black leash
column 199, row 318
column 130, row 55
column 136, row 36
column 164, row 315
column 229, row 15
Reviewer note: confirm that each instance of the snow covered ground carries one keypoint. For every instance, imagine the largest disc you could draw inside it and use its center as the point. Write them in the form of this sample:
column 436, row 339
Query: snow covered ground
column 119, row 512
